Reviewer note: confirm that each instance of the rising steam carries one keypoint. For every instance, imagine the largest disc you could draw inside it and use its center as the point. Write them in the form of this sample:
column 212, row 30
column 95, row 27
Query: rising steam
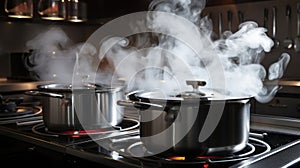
column 50, row 58
column 159, row 61
column 240, row 53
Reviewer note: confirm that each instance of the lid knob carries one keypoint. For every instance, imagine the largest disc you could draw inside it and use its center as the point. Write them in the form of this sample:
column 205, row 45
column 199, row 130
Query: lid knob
column 195, row 84
column 195, row 93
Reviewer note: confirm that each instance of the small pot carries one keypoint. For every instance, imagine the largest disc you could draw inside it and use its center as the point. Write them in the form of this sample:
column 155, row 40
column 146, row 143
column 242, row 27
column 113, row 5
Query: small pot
column 191, row 123
column 84, row 107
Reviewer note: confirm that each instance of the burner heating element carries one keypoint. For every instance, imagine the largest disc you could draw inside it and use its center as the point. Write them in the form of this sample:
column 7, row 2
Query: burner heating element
column 134, row 147
column 126, row 124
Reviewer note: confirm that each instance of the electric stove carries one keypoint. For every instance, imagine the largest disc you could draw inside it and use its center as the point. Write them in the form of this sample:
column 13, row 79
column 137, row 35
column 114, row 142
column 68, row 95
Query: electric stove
column 25, row 140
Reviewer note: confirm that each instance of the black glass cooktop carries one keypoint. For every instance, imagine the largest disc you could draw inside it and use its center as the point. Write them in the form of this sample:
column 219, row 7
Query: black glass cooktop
column 126, row 149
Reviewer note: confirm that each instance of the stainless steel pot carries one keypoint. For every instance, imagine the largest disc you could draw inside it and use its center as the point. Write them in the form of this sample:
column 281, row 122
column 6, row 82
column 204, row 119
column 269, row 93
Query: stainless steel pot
column 191, row 123
column 84, row 107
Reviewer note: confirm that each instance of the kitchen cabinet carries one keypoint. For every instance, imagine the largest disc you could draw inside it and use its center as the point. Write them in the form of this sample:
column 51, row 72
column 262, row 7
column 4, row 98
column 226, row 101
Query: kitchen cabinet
column 95, row 10
column 16, row 32
column 113, row 8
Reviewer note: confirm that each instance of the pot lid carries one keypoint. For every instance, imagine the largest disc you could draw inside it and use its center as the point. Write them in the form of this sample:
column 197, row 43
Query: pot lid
column 194, row 95
column 206, row 93
column 185, row 96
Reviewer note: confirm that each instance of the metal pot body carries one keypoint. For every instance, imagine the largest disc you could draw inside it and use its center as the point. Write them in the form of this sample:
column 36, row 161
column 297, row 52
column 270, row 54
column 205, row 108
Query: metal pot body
column 78, row 109
column 178, row 126
column 107, row 102
column 230, row 135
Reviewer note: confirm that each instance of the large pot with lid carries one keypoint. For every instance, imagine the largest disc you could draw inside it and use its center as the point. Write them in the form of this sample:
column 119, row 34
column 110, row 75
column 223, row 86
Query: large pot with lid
column 191, row 123
column 88, row 106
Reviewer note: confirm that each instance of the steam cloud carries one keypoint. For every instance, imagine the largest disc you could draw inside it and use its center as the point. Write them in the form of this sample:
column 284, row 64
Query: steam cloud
column 166, row 62
column 240, row 53
column 50, row 58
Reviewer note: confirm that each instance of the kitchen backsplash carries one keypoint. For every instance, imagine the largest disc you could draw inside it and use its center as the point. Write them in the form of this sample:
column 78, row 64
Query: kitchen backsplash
column 262, row 13
column 14, row 34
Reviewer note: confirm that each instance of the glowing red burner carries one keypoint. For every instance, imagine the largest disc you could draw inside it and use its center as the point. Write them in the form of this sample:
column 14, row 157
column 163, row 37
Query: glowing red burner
column 208, row 157
column 80, row 133
column 177, row 158
column 184, row 158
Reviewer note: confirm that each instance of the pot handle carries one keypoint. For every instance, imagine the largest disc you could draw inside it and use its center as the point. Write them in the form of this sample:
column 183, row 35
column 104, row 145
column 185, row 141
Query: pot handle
column 139, row 105
column 39, row 93
column 132, row 95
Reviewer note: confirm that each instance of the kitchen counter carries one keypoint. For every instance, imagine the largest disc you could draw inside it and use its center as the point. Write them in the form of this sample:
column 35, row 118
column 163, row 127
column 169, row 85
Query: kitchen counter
column 280, row 124
column 11, row 85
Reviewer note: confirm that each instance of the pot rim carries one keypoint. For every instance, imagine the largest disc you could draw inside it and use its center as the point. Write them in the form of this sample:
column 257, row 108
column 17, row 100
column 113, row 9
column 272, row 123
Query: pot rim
column 148, row 96
column 64, row 87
